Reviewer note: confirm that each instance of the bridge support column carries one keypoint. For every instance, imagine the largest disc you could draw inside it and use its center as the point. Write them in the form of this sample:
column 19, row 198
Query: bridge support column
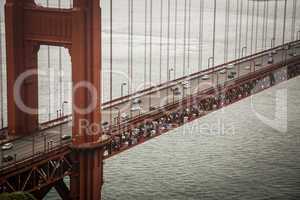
column 21, row 57
column 86, row 64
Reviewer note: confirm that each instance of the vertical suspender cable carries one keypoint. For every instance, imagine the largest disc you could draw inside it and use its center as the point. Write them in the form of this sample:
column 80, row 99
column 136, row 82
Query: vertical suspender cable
column 129, row 43
column 264, row 25
column 131, row 50
column 256, row 34
column 175, row 38
column 226, row 31
column 184, row 36
column 200, row 44
column 189, row 37
column 284, row 55
column 168, row 42
column 110, row 61
column 160, row 42
column 214, row 33
column 1, row 75
column 168, row 48
column 247, row 27
column 252, row 28
column 267, row 25
column 49, row 77
column 284, row 22
column 150, row 56
column 145, row 45
column 240, row 31
column 293, row 20
column 236, row 28
column 275, row 23
column 60, row 70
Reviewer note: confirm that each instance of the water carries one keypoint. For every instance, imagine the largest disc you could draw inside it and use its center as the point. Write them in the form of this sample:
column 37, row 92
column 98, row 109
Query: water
column 249, row 160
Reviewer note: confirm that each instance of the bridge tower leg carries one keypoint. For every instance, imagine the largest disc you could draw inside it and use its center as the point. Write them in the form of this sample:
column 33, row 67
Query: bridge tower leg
column 86, row 61
column 21, row 57
column 79, row 29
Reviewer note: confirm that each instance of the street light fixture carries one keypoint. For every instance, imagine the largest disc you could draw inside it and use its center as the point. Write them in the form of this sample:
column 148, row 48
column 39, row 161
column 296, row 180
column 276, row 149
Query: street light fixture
column 169, row 73
column 122, row 88
column 169, row 78
column 244, row 50
column 62, row 107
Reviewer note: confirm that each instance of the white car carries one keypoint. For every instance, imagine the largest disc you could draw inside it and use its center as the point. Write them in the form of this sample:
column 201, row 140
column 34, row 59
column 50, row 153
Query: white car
column 137, row 101
column 7, row 146
column 257, row 64
column 205, row 77
column 230, row 66
column 293, row 54
column 223, row 71
column 248, row 67
column 124, row 116
column 66, row 137
column 270, row 60
column 186, row 84
column 135, row 108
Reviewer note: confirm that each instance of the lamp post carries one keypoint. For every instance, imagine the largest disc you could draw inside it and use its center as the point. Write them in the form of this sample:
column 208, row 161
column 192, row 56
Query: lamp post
column 272, row 42
column 208, row 66
column 122, row 88
column 169, row 78
column 62, row 108
column 244, row 52
column 118, row 118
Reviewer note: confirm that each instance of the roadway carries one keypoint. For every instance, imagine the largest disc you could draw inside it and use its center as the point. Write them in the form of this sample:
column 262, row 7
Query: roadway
column 49, row 139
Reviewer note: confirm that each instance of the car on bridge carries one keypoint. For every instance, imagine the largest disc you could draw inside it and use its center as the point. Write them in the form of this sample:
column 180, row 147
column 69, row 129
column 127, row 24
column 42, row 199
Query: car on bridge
column 230, row 66
column 7, row 146
column 7, row 158
column 205, row 77
column 223, row 71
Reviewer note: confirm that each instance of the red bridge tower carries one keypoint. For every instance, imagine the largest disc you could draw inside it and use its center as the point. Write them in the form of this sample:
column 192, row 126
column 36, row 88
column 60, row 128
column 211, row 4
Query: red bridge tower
column 79, row 29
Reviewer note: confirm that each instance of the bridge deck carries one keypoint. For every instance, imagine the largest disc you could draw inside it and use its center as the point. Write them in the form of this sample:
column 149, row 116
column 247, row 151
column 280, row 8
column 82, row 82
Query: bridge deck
column 50, row 139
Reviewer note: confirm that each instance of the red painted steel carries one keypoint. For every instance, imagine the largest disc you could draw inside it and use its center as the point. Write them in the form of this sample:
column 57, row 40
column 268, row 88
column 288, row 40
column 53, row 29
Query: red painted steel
column 27, row 27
